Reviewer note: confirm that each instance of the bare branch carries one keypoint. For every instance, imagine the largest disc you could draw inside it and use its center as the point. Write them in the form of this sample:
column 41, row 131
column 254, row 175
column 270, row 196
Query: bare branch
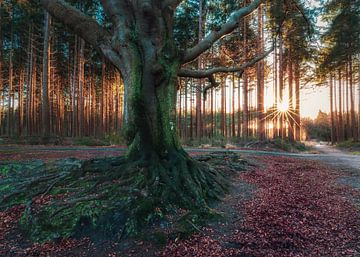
column 232, row 23
column 209, row 73
column 83, row 25
column 171, row 3
column 206, row 73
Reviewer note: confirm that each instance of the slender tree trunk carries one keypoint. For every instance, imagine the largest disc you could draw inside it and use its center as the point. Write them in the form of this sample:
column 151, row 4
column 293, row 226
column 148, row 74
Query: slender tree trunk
column 245, row 87
column 81, row 87
column 276, row 97
column 261, row 130
column 281, row 84
column 348, row 124
column 11, row 78
column 45, row 78
column 333, row 139
column 355, row 125
column 341, row 123
column 198, row 113
column 239, row 108
column 21, row 103
column 291, row 128
column 297, row 103
column 1, row 73
column 74, row 91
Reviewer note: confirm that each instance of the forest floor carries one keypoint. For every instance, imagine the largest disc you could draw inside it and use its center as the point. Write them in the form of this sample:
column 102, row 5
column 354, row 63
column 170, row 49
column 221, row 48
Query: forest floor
column 284, row 204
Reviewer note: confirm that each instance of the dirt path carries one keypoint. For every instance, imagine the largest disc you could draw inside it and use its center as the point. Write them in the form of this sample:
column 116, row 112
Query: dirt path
column 328, row 155
column 335, row 157
column 286, row 205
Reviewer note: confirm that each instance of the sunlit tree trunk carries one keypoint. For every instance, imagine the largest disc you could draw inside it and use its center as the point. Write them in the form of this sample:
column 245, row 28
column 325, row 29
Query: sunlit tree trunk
column 261, row 130
column 291, row 128
column 340, row 119
column 21, row 102
column 355, row 125
column 281, row 84
column 74, row 90
column 45, row 79
column 81, row 87
column 11, row 80
column 347, row 92
column 333, row 135
column 245, row 86
column 297, row 102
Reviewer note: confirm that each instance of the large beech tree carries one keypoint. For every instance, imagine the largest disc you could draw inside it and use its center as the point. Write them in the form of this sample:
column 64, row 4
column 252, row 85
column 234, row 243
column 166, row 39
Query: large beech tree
column 156, row 172
column 141, row 46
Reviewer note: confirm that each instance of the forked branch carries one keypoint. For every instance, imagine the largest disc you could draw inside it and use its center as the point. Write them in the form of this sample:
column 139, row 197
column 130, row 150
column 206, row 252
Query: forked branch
column 232, row 23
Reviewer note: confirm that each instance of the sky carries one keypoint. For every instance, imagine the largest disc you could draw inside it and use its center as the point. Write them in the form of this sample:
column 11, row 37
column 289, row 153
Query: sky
column 313, row 100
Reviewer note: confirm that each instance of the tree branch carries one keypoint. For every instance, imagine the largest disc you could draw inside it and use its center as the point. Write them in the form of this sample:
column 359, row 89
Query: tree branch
column 232, row 23
column 171, row 3
column 206, row 73
column 209, row 73
column 83, row 25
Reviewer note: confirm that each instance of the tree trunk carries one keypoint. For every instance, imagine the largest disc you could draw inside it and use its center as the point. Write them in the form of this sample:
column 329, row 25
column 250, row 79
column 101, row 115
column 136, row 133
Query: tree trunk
column 291, row 127
column 81, row 87
column 355, row 125
column 261, row 130
column 297, row 102
column 11, row 80
column 281, row 85
column 1, row 73
column 333, row 139
column 45, row 79
column 340, row 123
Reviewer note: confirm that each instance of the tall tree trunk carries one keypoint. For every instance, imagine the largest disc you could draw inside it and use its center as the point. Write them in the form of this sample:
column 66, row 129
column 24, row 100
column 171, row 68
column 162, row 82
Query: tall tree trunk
column 347, row 92
column 21, row 103
column 11, row 78
column 81, row 87
column 355, row 125
column 1, row 73
column 199, row 118
column 341, row 122
column 297, row 102
column 333, row 138
column 291, row 119
column 45, row 78
column 74, row 108
column 276, row 95
column 281, row 85
column 261, row 130
column 246, row 86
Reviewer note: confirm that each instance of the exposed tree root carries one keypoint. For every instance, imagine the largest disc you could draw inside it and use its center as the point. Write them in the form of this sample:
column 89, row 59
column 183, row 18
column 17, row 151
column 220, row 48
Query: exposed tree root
column 71, row 197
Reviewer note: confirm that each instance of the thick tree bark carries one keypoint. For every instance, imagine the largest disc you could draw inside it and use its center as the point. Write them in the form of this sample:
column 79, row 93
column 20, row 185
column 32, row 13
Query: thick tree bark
column 142, row 48
column 1, row 73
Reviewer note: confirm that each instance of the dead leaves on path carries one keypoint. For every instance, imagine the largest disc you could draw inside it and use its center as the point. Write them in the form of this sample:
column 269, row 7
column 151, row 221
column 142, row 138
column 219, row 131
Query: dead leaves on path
column 298, row 210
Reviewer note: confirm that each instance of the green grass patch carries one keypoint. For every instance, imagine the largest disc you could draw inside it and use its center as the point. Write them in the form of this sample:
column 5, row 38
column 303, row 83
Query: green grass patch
column 349, row 144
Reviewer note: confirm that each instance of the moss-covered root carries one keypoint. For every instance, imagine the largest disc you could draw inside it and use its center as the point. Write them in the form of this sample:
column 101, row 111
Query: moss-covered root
column 110, row 194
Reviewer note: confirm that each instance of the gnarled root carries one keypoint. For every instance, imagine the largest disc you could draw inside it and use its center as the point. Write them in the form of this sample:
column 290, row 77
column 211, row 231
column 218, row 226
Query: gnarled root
column 70, row 196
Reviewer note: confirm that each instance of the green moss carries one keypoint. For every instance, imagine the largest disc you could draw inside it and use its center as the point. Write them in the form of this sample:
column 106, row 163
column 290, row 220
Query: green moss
column 5, row 170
